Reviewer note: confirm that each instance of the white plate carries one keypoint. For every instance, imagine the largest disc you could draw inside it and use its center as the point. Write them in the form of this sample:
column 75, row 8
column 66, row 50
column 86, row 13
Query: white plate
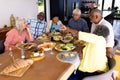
column 68, row 58
column 31, row 45
column 45, row 49
column 62, row 49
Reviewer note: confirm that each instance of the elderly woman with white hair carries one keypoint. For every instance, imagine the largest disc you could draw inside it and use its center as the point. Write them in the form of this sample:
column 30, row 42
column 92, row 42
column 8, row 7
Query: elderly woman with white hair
column 77, row 23
column 18, row 34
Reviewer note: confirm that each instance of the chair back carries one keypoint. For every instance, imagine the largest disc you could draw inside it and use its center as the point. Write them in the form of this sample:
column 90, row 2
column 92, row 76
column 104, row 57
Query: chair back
column 104, row 76
column 2, row 47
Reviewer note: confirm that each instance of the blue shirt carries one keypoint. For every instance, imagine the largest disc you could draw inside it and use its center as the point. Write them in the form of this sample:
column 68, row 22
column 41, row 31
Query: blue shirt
column 55, row 27
column 37, row 28
column 79, row 25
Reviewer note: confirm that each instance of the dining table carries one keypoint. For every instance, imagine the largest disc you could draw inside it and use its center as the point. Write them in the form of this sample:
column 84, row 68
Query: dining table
column 50, row 68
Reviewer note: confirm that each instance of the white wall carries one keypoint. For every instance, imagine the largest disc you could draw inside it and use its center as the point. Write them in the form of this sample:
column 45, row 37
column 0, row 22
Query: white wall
column 21, row 8
column 47, row 10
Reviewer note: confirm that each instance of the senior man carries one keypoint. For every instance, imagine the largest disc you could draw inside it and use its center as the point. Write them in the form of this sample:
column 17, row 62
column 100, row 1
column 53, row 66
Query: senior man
column 97, row 19
column 37, row 27
column 77, row 23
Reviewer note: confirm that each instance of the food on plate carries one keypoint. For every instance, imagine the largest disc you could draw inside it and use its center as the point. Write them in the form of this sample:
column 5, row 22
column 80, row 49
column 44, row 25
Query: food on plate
column 55, row 33
column 38, row 54
column 80, row 43
column 21, row 45
column 65, row 47
column 64, row 55
column 67, row 39
column 26, row 45
column 57, row 38
column 69, row 34
column 71, row 54
column 47, row 45
column 18, row 64
column 44, row 37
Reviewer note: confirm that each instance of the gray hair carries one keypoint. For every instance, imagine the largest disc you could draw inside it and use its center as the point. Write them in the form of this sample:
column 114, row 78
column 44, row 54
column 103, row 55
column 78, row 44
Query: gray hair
column 77, row 11
column 101, row 30
column 96, row 12
column 19, row 22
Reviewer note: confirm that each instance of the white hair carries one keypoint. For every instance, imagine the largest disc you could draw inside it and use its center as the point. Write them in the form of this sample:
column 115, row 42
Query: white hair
column 77, row 11
column 19, row 22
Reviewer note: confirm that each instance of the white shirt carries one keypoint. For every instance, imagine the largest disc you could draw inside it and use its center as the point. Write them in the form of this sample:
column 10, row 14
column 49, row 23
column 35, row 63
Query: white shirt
column 110, row 38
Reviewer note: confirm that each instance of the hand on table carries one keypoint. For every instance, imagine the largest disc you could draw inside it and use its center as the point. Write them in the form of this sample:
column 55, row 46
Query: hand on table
column 74, row 32
column 63, row 27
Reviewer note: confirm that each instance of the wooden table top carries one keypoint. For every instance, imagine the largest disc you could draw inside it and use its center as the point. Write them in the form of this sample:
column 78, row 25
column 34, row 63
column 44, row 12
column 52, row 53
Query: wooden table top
column 48, row 69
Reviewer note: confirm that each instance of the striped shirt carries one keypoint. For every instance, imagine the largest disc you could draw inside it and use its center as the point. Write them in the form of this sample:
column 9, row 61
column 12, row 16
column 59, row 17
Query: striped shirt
column 37, row 28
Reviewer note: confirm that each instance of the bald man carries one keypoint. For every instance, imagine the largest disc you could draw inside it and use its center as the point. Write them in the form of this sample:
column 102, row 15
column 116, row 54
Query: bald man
column 37, row 27
column 97, row 19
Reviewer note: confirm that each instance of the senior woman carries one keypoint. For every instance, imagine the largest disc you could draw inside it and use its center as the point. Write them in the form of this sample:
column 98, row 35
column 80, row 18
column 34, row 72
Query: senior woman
column 18, row 34
column 94, row 60
column 55, row 24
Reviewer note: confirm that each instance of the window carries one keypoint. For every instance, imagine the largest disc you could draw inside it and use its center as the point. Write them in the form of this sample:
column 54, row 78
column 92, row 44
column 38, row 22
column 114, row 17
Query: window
column 107, row 4
column 100, row 4
column 117, row 4
column 41, row 6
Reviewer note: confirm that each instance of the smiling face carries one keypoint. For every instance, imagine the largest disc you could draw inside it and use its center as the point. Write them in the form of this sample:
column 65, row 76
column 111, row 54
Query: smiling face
column 55, row 20
column 41, row 16
column 76, row 16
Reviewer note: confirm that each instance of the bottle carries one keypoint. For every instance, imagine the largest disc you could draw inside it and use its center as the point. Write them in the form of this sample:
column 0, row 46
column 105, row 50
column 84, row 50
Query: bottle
column 22, row 54
column 12, row 21
column 11, row 55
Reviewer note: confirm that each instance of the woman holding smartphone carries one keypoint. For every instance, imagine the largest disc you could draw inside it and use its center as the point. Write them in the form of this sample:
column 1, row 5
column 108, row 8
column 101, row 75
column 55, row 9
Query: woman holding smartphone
column 18, row 34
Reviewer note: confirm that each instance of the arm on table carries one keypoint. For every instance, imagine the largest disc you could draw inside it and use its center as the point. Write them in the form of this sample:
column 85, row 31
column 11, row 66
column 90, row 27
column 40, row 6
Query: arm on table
column 74, row 32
